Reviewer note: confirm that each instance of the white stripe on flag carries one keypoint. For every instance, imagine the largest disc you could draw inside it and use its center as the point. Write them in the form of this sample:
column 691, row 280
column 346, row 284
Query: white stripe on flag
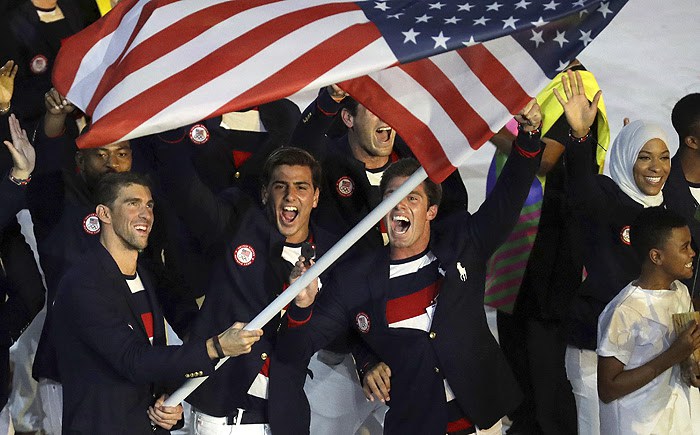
column 184, row 56
column 470, row 86
column 414, row 97
column 377, row 53
column 218, row 91
column 100, row 57
column 519, row 63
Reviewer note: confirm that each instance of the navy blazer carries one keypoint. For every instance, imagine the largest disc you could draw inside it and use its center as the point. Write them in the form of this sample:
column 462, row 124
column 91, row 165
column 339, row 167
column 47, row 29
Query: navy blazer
column 236, row 291
column 110, row 372
column 459, row 347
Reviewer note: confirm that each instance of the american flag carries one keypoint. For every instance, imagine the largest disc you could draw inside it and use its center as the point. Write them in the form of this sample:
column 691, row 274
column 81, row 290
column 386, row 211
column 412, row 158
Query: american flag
column 445, row 74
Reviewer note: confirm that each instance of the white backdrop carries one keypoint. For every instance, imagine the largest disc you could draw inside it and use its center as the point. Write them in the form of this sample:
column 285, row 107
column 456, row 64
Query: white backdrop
column 645, row 61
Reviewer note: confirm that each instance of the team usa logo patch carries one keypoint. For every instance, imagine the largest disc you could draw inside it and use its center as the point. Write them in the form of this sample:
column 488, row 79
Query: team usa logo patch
column 199, row 134
column 244, row 255
column 363, row 323
column 625, row 235
column 38, row 64
column 91, row 224
column 345, row 186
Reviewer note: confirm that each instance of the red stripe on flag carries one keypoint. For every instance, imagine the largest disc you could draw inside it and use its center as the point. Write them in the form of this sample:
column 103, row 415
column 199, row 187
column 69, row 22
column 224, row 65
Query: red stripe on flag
column 497, row 79
column 413, row 305
column 75, row 47
column 469, row 122
column 307, row 68
column 165, row 41
column 423, row 142
column 150, row 102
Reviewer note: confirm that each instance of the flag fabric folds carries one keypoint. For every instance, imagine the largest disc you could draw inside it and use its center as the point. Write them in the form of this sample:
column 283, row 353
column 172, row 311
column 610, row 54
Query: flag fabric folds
column 445, row 74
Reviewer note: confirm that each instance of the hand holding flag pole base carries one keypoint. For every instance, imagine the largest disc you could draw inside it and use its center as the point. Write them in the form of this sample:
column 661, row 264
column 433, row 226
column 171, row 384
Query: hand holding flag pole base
column 314, row 272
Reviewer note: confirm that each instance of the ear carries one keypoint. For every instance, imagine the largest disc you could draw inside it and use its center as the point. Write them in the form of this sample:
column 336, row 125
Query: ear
column 317, row 192
column 347, row 118
column 103, row 213
column 656, row 256
column 692, row 142
column 432, row 212
column 263, row 195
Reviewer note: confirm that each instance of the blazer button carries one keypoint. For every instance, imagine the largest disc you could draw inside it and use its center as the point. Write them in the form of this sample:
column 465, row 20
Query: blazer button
column 432, row 335
column 201, row 373
column 263, row 356
column 237, row 174
column 187, row 375
column 437, row 370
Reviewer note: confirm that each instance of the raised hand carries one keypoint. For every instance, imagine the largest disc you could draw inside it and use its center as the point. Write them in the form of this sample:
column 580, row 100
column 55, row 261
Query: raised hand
column 530, row 117
column 7, row 84
column 21, row 150
column 56, row 104
column 336, row 93
column 580, row 113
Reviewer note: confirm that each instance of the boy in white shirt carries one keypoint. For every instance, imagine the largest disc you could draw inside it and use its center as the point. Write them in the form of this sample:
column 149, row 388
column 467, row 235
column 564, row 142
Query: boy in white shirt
column 639, row 355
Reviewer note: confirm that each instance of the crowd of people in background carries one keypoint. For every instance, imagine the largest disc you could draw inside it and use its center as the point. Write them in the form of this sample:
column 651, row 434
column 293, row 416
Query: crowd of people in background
column 132, row 267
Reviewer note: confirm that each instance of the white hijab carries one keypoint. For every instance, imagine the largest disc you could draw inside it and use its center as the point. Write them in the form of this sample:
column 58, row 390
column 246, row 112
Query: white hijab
column 623, row 155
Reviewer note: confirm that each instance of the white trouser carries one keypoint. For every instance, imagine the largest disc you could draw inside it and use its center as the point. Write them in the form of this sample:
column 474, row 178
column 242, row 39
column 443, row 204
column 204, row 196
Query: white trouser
column 23, row 404
column 582, row 371
column 51, row 394
column 338, row 405
column 204, row 424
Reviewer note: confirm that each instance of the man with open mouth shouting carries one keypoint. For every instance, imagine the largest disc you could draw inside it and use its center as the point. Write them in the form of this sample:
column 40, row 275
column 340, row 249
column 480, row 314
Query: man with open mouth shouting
column 355, row 147
column 418, row 304
column 253, row 246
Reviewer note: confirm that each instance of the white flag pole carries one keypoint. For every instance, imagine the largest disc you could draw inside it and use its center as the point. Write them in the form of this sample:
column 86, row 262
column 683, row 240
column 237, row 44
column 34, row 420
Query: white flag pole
column 323, row 263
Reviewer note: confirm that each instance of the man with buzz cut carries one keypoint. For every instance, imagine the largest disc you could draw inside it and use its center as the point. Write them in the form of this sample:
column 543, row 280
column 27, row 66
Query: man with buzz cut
column 109, row 332
column 418, row 303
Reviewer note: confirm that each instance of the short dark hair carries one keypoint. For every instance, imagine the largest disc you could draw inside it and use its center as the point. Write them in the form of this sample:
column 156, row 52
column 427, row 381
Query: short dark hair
column 291, row 156
column 685, row 115
column 406, row 168
column 109, row 185
column 652, row 228
column 350, row 104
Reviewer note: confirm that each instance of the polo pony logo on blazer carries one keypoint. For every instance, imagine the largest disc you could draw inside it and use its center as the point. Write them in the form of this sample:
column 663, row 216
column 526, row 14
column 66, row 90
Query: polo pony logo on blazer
column 462, row 271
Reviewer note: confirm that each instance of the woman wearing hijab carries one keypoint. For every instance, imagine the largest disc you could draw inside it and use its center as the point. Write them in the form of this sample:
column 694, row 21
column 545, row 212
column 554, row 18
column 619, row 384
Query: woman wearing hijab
column 605, row 207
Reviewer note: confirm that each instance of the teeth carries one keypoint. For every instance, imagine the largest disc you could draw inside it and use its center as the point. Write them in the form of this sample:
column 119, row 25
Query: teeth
column 289, row 208
column 689, row 265
column 141, row 227
column 384, row 129
column 401, row 218
column 653, row 179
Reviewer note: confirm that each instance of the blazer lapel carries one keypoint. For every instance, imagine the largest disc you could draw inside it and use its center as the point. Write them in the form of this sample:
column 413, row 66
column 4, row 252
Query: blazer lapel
column 124, row 293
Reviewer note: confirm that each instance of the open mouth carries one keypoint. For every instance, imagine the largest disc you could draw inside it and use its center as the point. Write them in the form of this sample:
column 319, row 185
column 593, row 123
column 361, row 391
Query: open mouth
column 383, row 134
column 141, row 229
column 289, row 214
column 653, row 180
column 689, row 265
column 400, row 224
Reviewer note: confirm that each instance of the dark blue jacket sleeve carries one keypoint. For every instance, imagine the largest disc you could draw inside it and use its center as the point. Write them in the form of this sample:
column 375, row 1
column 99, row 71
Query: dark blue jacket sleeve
column 316, row 119
column 499, row 213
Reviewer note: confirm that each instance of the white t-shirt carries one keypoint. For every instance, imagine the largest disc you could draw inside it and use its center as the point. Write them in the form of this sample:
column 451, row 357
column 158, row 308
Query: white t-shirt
column 635, row 327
